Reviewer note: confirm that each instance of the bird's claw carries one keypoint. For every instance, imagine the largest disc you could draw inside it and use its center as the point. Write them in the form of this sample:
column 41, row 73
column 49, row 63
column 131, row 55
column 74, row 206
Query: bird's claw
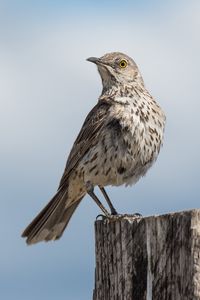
column 118, row 216
column 102, row 216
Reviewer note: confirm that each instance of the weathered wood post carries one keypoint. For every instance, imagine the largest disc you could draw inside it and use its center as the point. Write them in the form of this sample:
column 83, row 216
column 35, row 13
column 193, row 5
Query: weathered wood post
column 152, row 258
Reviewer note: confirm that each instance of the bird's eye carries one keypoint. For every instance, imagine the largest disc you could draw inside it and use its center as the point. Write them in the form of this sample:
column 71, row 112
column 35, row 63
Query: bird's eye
column 123, row 63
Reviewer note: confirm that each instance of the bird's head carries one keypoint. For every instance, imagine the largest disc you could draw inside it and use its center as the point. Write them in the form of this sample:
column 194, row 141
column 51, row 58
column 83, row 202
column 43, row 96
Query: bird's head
column 115, row 68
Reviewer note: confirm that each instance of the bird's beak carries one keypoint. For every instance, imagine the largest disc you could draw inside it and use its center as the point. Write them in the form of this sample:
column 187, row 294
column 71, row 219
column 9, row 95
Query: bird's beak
column 94, row 60
column 98, row 61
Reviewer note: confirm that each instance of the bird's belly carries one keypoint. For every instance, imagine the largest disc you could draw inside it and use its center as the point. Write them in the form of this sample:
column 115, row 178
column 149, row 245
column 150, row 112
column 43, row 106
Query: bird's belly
column 118, row 163
column 137, row 160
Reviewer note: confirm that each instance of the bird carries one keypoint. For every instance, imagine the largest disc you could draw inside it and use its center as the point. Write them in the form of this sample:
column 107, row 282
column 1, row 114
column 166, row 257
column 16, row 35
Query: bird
column 119, row 141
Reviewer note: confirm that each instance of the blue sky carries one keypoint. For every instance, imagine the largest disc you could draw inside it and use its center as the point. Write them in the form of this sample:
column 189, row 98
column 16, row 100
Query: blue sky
column 46, row 90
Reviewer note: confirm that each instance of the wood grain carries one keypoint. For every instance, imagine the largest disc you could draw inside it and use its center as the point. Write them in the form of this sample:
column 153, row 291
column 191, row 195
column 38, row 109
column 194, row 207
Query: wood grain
column 152, row 258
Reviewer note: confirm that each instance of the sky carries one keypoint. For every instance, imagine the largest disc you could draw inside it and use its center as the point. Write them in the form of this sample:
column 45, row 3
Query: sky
column 46, row 90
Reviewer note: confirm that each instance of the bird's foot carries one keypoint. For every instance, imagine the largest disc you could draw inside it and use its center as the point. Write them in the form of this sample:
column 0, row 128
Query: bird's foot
column 117, row 216
column 103, row 217
column 114, row 212
column 135, row 215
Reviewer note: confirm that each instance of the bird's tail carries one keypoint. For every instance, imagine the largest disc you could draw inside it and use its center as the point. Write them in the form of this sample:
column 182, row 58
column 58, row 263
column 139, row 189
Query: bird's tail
column 50, row 223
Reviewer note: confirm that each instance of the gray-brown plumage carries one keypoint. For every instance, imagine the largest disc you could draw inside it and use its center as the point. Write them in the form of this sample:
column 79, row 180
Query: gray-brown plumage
column 119, row 141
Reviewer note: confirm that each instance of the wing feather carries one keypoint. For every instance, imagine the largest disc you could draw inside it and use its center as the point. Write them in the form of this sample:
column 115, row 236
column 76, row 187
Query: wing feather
column 87, row 137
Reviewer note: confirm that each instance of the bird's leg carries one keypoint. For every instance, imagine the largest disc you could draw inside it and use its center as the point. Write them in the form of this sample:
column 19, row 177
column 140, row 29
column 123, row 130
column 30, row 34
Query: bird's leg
column 90, row 191
column 113, row 210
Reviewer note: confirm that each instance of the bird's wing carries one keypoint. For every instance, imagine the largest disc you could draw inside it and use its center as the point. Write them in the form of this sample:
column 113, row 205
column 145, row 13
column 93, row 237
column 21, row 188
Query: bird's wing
column 87, row 137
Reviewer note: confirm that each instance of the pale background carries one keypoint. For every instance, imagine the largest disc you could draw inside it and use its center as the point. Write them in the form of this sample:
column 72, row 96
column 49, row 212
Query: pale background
column 46, row 90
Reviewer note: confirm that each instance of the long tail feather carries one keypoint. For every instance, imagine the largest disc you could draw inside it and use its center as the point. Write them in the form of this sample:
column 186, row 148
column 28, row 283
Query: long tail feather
column 50, row 223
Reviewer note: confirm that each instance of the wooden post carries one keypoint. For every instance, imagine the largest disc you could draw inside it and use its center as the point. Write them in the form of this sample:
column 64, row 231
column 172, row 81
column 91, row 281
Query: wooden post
column 152, row 258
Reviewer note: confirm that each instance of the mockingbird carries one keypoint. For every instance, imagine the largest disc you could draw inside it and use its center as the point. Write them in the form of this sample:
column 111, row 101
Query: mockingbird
column 118, row 142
